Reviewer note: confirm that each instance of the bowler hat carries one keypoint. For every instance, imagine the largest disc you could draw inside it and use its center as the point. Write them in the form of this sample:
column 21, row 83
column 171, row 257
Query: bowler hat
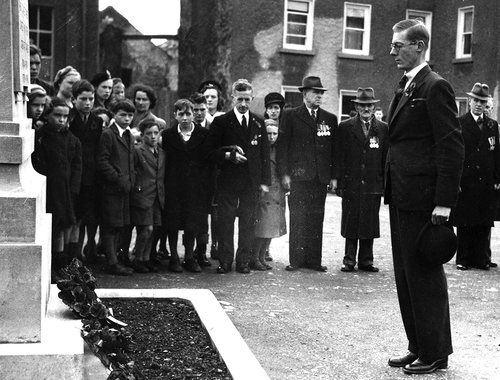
column 209, row 84
column 436, row 244
column 312, row 83
column 274, row 98
column 480, row 91
column 365, row 96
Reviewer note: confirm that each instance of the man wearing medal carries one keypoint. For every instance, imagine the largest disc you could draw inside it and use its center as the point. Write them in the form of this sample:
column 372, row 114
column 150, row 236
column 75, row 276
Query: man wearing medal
column 362, row 150
column 305, row 156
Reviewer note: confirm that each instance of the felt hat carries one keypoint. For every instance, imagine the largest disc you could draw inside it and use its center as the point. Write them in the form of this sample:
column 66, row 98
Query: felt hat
column 365, row 96
column 99, row 78
column 274, row 98
column 480, row 91
column 312, row 82
column 209, row 84
column 436, row 244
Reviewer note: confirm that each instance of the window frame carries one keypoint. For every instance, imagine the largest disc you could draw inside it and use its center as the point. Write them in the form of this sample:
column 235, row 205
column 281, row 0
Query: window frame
column 462, row 100
column 367, row 9
column 427, row 16
column 308, row 45
column 342, row 93
column 291, row 89
column 47, row 60
column 459, row 52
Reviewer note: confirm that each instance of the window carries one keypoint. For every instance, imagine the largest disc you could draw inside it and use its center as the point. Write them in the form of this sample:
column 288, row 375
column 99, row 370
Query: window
column 298, row 30
column 462, row 105
column 464, row 32
column 346, row 103
column 357, row 23
column 427, row 19
column 42, row 35
column 293, row 97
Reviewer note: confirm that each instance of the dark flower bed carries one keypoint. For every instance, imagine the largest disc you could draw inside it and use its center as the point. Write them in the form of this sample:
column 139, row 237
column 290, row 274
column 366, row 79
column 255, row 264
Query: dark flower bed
column 168, row 340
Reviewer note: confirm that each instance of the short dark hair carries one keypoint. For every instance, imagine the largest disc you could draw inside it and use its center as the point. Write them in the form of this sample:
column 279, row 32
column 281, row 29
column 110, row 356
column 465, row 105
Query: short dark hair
column 100, row 111
column 34, row 50
column 146, row 124
column 125, row 105
column 183, row 104
column 81, row 86
column 416, row 28
column 197, row 98
column 146, row 89
column 53, row 103
column 378, row 108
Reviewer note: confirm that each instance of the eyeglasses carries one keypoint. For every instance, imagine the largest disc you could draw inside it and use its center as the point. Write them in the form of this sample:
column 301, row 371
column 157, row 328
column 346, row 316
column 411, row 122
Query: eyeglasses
column 398, row 45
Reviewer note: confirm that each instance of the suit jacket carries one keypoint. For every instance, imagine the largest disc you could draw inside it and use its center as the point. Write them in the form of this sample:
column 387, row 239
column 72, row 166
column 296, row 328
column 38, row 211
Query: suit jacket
column 426, row 153
column 361, row 176
column 149, row 178
column 227, row 132
column 115, row 161
column 306, row 148
column 477, row 199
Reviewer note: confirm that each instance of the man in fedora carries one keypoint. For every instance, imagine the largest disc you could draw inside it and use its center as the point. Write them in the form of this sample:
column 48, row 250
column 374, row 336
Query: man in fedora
column 477, row 202
column 423, row 170
column 305, row 162
column 362, row 150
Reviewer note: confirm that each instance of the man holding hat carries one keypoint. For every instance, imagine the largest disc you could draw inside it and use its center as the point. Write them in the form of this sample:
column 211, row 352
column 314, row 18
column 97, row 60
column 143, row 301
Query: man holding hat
column 476, row 206
column 305, row 159
column 362, row 150
column 423, row 169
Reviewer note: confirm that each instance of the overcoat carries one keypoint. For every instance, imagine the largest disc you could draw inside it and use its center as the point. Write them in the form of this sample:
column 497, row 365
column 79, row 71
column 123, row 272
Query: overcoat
column 187, row 171
column 477, row 201
column 361, row 176
column 58, row 156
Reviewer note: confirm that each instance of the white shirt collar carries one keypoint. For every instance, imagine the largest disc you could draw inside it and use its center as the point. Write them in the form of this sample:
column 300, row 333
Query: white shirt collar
column 476, row 116
column 310, row 110
column 239, row 116
column 121, row 130
column 413, row 73
column 185, row 135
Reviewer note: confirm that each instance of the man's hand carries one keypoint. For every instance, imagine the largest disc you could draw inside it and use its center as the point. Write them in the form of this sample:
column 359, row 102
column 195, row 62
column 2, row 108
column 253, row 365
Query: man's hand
column 236, row 155
column 333, row 185
column 263, row 189
column 440, row 215
column 497, row 186
column 286, row 182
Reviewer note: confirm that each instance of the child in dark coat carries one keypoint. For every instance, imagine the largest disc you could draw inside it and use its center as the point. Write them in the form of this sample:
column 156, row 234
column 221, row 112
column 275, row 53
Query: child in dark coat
column 115, row 164
column 58, row 156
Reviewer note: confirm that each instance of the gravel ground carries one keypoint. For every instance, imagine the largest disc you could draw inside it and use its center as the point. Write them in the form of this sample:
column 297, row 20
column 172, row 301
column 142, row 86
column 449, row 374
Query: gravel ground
column 309, row 325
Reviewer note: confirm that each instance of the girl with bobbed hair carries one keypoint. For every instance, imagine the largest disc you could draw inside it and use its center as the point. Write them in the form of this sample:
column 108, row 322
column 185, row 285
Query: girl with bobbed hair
column 63, row 83
column 144, row 99
column 212, row 91
column 103, row 85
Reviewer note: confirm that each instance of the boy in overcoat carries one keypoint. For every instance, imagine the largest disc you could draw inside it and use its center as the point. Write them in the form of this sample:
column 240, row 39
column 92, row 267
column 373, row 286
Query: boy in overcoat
column 362, row 150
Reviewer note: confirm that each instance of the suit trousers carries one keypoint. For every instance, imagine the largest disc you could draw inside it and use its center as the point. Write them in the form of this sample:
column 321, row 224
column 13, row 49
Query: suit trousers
column 473, row 245
column 422, row 291
column 365, row 255
column 232, row 203
column 307, row 211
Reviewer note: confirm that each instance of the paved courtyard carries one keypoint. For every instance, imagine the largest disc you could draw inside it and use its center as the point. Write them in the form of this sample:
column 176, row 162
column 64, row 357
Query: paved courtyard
column 308, row 325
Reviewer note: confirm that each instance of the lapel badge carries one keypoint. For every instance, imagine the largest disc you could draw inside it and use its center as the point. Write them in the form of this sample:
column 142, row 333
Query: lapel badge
column 491, row 140
column 374, row 142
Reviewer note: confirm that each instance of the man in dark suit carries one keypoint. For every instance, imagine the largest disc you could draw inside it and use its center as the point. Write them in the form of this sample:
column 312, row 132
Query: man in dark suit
column 477, row 203
column 362, row 149
column 423, row 170
column 241, row 150
column 305, row 159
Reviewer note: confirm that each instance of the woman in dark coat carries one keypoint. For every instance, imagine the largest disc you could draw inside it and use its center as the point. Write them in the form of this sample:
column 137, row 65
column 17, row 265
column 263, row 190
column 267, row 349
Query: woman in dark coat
column 362, row 152
column 58, row 156
column 186, row 194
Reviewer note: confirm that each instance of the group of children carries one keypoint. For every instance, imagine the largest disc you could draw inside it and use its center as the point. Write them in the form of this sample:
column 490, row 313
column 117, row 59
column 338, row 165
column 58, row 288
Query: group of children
column 99, row 177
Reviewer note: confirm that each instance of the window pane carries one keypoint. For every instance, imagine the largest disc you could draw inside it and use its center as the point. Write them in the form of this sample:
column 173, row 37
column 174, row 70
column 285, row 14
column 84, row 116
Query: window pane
column 466, row 39
column 301, row 19
column 33, row 38
column 468, row 22
column 353, row 12
column 355, row 22
column 354, row 39
column 295, row 40
column 293, row 99
column 297, row 29
column 33, row 17
column 46, row 44
column 347, row 104
column 299, row 6
column 46, row 18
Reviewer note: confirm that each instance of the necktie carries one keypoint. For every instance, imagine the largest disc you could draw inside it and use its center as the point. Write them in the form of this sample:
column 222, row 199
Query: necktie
column 313, row 115
column 155, row 153
column 480, row 123
column 366, row 127
column 244, row 122
column 401, row 87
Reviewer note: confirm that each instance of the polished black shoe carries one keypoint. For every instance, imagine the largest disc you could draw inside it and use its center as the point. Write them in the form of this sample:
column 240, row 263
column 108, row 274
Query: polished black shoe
column 203, row 261
column 421, row 367
column 266, row 265
column 291, row 268
column 151, row 267
column 174, row 265
column 493, row 265
column 268, row 256
column 368, row 268
column 257, row 265
column 191, row 266
column 401, row 361
column 462, row 267
column 347, row 268
column 242, row 268
column 223, row 268
column 483, row 266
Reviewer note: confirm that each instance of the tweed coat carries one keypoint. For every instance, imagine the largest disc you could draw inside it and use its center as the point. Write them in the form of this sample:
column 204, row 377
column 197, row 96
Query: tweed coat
column 477, row 201
column 361, row 176
column 306, row 148
column 187, row 173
